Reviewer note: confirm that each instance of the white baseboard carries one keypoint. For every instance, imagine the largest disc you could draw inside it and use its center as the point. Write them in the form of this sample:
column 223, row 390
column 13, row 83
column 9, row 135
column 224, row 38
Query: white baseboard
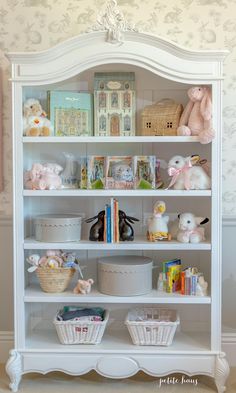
column 6, row 343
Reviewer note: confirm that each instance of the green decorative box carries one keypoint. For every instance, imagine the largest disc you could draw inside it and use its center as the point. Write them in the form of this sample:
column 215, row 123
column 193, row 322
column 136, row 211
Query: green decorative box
column 114, row 104
column 71, row 113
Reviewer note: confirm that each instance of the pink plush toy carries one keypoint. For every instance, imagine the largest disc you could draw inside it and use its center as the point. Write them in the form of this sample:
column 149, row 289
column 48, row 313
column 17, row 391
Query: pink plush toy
column 42, row 177
column 196, row 117
column 83, row 286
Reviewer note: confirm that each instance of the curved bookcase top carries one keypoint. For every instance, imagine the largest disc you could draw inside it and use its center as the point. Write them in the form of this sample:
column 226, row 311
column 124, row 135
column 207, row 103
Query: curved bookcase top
column 115, row 43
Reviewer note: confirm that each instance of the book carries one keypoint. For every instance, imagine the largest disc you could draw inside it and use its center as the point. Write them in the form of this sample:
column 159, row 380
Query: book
column 108, row 225
column 71, row 113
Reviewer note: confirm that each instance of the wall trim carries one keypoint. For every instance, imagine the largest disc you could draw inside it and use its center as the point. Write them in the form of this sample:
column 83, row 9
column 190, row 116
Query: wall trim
column 6, row 343
column 6, row 221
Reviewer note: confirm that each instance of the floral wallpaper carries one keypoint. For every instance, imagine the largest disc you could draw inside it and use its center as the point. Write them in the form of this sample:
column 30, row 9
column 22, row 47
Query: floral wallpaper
column 33, row 25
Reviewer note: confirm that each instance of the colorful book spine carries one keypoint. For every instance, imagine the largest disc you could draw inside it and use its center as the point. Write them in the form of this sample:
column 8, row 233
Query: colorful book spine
column 116, row 221
column 182, row 291
column 108, row 220
column 112, row 219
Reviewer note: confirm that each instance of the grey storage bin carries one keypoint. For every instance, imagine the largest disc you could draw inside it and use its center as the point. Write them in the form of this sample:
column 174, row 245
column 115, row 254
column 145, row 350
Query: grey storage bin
column 123, row 275
column 58, row 228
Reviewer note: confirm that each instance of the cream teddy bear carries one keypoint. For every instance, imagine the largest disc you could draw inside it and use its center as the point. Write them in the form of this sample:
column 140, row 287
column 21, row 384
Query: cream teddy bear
column 35, row 122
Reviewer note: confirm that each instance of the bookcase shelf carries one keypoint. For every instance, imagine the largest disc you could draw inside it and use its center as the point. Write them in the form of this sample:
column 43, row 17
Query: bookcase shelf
column 168, row 72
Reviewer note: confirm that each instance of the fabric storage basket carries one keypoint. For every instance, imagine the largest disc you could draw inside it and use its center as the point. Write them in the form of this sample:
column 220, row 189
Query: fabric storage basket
column 125, row 275
column 58, row 228
column 152, row 326
column 54, row 280
column 162, row 118
column 81, row 332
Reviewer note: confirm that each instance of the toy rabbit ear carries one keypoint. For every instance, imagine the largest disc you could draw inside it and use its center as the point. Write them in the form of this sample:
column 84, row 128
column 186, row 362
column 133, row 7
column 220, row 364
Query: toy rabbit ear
column 91, row 219
column 206, row 105
column 201, row 220
column 204, row 221
column 186, row 113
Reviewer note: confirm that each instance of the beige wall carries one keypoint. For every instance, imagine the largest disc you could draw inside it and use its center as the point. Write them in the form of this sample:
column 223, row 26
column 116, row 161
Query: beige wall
column 33, row 25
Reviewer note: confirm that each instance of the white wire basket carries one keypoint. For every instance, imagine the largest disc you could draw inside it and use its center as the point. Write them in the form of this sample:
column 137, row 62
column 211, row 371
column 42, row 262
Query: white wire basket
column 152, row 326
column 81, row 332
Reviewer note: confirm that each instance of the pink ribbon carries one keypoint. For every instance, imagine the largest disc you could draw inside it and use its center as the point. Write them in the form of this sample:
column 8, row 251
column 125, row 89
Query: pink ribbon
column 174, row 173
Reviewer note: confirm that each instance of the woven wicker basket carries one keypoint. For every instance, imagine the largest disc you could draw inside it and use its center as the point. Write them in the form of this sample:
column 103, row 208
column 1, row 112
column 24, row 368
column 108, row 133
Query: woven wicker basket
column 152, row 326
column 54, row 280
column 162, row 118
column 81, row 332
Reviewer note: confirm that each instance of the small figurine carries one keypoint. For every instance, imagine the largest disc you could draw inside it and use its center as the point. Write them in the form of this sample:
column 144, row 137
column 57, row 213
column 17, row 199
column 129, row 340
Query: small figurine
column 189, row 228
column 201, row 287
column 96, row 232
column 35, row 122
column 186, row 175
column 83, row 286
column 125, row 229
column 157, row 224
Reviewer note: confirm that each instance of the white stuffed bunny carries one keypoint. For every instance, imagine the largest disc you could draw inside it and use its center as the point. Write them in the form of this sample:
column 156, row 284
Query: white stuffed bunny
column 35, row 122
column 190, row 230
column 186, row 175
column 196, row 117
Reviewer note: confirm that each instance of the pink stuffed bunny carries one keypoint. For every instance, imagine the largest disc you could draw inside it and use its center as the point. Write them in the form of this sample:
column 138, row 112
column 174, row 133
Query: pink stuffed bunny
column 196, row 117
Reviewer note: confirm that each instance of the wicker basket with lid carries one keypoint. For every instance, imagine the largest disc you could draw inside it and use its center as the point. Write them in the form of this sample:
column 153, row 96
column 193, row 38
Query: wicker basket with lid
column 161, row 118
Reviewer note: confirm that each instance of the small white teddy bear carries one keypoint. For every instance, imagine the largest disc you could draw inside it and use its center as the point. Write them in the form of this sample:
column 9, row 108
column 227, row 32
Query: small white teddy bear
column 185, row 176
column 189, row 230
column 35, row 122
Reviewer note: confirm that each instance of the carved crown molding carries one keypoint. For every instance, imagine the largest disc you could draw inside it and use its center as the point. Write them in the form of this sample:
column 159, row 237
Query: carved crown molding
column 114, row 22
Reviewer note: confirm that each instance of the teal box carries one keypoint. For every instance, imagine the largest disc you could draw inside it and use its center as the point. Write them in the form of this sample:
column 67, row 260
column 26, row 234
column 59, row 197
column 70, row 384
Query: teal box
column 71, row 113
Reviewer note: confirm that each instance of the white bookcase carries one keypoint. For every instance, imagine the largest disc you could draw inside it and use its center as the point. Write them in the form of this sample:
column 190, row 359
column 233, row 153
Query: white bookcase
column 162, row 69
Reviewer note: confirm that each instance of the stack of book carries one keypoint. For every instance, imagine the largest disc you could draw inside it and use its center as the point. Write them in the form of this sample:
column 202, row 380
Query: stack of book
column 111, row 222
column 189, row 279
column 171, row 274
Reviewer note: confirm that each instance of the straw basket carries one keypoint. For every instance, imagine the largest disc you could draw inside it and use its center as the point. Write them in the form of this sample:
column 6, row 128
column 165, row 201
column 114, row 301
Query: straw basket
column 152, row 326
column 81, row 332
column 162, row 118
column 54, row 280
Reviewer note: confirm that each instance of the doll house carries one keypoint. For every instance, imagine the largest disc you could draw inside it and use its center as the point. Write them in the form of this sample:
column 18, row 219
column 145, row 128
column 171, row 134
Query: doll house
column 114, row 104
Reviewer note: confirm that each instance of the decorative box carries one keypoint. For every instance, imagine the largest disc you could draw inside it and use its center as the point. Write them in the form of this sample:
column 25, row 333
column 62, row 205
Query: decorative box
column 71, row 113
column 144, row 172
column 152, row 326
column 162, row 118
column 119, row 172
column 114, row 104
column 125, row 275
column 57, row 228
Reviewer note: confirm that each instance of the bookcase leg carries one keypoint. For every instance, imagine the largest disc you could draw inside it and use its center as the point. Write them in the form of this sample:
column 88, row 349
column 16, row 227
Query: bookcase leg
column 221, row 372
column 14, row 369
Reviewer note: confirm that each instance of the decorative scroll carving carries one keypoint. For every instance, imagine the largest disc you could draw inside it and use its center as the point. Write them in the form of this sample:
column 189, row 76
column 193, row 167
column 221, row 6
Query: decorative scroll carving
column 14, row 369
column 221, row 372
column 114, row 22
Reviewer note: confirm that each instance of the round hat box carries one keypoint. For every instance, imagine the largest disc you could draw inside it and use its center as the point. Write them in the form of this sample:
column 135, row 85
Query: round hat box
column 123, row 275
column 57, row 228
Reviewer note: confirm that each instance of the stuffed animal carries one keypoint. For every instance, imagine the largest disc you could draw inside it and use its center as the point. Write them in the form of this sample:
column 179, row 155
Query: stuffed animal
column 186, row 175
column 35, row 122
column 196, row 117
column 43, row 177
column 189, row 230
column 157, row 224
column 83, row 286
column 122, row 172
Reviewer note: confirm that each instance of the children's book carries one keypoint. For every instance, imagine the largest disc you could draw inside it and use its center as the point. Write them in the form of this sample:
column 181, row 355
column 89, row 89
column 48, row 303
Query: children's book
column 71, row 113
column 144, row 172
